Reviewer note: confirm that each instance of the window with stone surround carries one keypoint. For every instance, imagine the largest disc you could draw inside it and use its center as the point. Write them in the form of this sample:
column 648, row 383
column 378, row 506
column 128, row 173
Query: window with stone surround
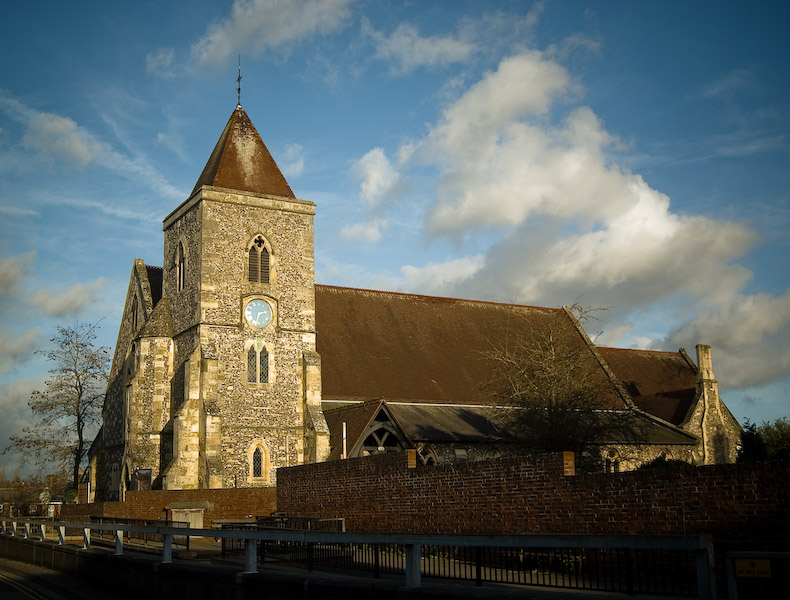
column 259, row 462
column 180, row 266
column 258, row 260
column 257, row 363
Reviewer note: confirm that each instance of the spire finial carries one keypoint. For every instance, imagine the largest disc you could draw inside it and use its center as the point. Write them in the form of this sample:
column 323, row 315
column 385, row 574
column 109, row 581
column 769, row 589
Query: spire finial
column 238, row 81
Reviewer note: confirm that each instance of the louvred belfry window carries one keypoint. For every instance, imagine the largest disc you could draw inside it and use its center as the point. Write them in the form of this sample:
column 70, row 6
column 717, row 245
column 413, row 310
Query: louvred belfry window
column 258, row 262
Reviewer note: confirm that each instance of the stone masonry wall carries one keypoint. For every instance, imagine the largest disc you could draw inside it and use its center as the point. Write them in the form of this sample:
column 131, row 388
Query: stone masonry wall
column 515, row 495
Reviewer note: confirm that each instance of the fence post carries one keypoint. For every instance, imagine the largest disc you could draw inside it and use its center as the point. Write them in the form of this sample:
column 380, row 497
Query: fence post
column 42, row 532
column 250, row 556
column 706, row 578
column 14, row 527
column 309, row 557
column 119, row 542
column 413, row 565
column 61, row 535
column 86, row 537
column 167, row 548
column 376, row 561
column 27, row 530
column 478, row 566
column 629, row 573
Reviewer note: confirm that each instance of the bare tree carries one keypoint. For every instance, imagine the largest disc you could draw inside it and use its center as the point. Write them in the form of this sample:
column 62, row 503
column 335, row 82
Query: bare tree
column 560, row 397
column 71, row 403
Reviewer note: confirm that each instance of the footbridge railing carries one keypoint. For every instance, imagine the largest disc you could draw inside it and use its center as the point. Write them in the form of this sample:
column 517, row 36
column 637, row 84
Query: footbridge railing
column 416, row 551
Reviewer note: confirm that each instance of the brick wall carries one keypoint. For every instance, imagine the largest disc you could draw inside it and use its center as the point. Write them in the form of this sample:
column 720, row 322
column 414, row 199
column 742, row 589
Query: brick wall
column 223, row 504
column 531, row 495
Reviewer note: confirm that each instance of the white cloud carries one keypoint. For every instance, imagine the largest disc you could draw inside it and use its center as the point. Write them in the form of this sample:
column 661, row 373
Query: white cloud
column 293, row 160
column 257, row 25
column 369, row 231
column 12, row 269
column 407, row 50
column 60, row 137
column 377, row 175
column 160, row 62
column 69, row 302
column 441, row 278
column 17, row 350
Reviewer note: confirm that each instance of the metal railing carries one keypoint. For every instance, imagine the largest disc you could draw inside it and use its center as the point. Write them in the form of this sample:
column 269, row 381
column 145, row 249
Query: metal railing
column 617, row 563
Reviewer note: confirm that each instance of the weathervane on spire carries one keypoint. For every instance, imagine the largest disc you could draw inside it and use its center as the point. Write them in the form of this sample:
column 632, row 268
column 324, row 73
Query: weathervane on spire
column 238, row 81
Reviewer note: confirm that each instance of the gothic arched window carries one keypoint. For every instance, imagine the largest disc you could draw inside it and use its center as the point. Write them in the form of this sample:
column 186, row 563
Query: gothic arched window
column 258, row 461
column 258, row 261
column 257, row 364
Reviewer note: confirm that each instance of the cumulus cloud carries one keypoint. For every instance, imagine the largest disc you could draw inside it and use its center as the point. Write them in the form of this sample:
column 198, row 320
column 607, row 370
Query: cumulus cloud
column 254, row 26
column 405, row 49
column 368, row 231
column 17, row 350
column 60, row 137
column 69, row 302
column 441, row 278
column 12, row 269
column 377, row 175
column 530, row 175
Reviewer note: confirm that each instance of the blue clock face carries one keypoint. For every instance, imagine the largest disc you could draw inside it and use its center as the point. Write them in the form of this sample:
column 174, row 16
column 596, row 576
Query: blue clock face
column 258, row 313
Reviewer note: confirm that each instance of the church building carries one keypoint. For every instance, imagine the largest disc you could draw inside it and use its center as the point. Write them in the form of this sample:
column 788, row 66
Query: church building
column 231, row 362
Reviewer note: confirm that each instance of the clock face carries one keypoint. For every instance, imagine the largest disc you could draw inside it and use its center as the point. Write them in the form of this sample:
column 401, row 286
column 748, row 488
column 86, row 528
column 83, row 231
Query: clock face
column 258, row 313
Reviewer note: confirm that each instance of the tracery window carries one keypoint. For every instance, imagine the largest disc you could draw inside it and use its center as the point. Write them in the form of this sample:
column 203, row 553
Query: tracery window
column 258, row 262
column 257, row 364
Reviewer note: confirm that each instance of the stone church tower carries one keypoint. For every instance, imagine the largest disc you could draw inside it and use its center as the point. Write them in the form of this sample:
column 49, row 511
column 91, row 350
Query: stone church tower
column 216, row 381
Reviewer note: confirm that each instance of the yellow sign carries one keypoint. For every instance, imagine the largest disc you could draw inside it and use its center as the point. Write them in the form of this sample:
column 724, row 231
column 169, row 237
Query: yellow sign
column 749, row 567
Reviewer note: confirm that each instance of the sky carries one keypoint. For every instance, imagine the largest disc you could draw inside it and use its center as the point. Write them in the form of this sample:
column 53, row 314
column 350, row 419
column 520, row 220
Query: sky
column 624, row 155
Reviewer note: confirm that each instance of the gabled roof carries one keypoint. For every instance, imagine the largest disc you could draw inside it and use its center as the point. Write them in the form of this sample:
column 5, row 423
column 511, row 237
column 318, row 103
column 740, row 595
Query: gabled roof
column 663, row 384
column 425, row 349
column 241, row 161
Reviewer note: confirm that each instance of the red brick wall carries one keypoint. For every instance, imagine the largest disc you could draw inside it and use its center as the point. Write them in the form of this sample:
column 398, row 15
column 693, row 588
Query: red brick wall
column 232, row 503
column 530, row 495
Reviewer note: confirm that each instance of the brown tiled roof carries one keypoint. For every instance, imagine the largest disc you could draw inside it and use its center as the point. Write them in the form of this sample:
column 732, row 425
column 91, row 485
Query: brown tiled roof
column 406, row 347
column 660, row 383
column 241, row 161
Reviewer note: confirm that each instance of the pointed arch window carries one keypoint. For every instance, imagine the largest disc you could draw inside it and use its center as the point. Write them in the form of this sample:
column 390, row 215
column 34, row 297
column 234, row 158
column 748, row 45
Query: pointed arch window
column 259, row 462
column 257, row 363
column 180, row 266
column 258, row 261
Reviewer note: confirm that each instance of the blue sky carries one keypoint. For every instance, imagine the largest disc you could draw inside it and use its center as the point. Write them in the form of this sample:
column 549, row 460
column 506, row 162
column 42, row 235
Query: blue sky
column 629, row 155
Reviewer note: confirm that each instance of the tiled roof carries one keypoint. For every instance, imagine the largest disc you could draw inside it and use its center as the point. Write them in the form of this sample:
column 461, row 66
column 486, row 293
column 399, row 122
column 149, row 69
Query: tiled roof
column 357, row 416
column 241, row 161
column 405, row 347
column 660, row 383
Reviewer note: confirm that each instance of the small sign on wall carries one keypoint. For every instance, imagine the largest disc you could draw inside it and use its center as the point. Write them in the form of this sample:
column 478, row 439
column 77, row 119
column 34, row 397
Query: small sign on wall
column 749, row 567
column 568, row 464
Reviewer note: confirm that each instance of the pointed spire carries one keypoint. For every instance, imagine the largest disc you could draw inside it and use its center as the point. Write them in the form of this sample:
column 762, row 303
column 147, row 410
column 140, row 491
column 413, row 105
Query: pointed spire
column 241, row 161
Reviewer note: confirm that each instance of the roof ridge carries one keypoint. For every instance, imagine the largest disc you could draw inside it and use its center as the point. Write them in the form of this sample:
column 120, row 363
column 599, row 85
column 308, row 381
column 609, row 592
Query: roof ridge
column 638, row 350
column 429, row 297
